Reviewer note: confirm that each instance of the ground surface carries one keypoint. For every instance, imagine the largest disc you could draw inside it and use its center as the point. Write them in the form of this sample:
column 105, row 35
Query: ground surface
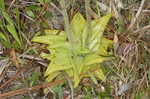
column 21, row 67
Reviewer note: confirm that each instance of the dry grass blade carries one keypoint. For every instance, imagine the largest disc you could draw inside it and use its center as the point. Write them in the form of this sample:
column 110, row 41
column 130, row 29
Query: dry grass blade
column 3, row 65
column 133, row 21
column 142, row 29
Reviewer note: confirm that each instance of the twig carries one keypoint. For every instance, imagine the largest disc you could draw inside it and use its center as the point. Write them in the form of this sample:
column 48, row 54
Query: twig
column 31, row 57
column 54, row 6
column 28, row 2
column 137, row 15
column 142, row 29
column 28, row 17
column 116, row 14
column 3, row 64
column 11, row 4
column 25, row 90
column 13, row 78
column 14, row 58
column 145, row 11
column 26, row 38
column 142, row 80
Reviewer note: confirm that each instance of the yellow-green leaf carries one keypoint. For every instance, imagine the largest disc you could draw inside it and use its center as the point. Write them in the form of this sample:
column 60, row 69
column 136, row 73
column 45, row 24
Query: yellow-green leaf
column 99, row 73
column 98, row 26
column 48, row 31
column 94, row 59
column 76, row 80
column 52, row 76
column 93, row 78
column 49, row 39
column 55, row 68
column 84, row 57
column 46, row 56
column 78, row 24
column 105, row 43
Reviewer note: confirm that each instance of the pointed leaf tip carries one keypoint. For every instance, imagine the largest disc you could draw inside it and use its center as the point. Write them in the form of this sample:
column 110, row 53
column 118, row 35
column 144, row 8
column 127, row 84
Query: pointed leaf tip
column 77, row 25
